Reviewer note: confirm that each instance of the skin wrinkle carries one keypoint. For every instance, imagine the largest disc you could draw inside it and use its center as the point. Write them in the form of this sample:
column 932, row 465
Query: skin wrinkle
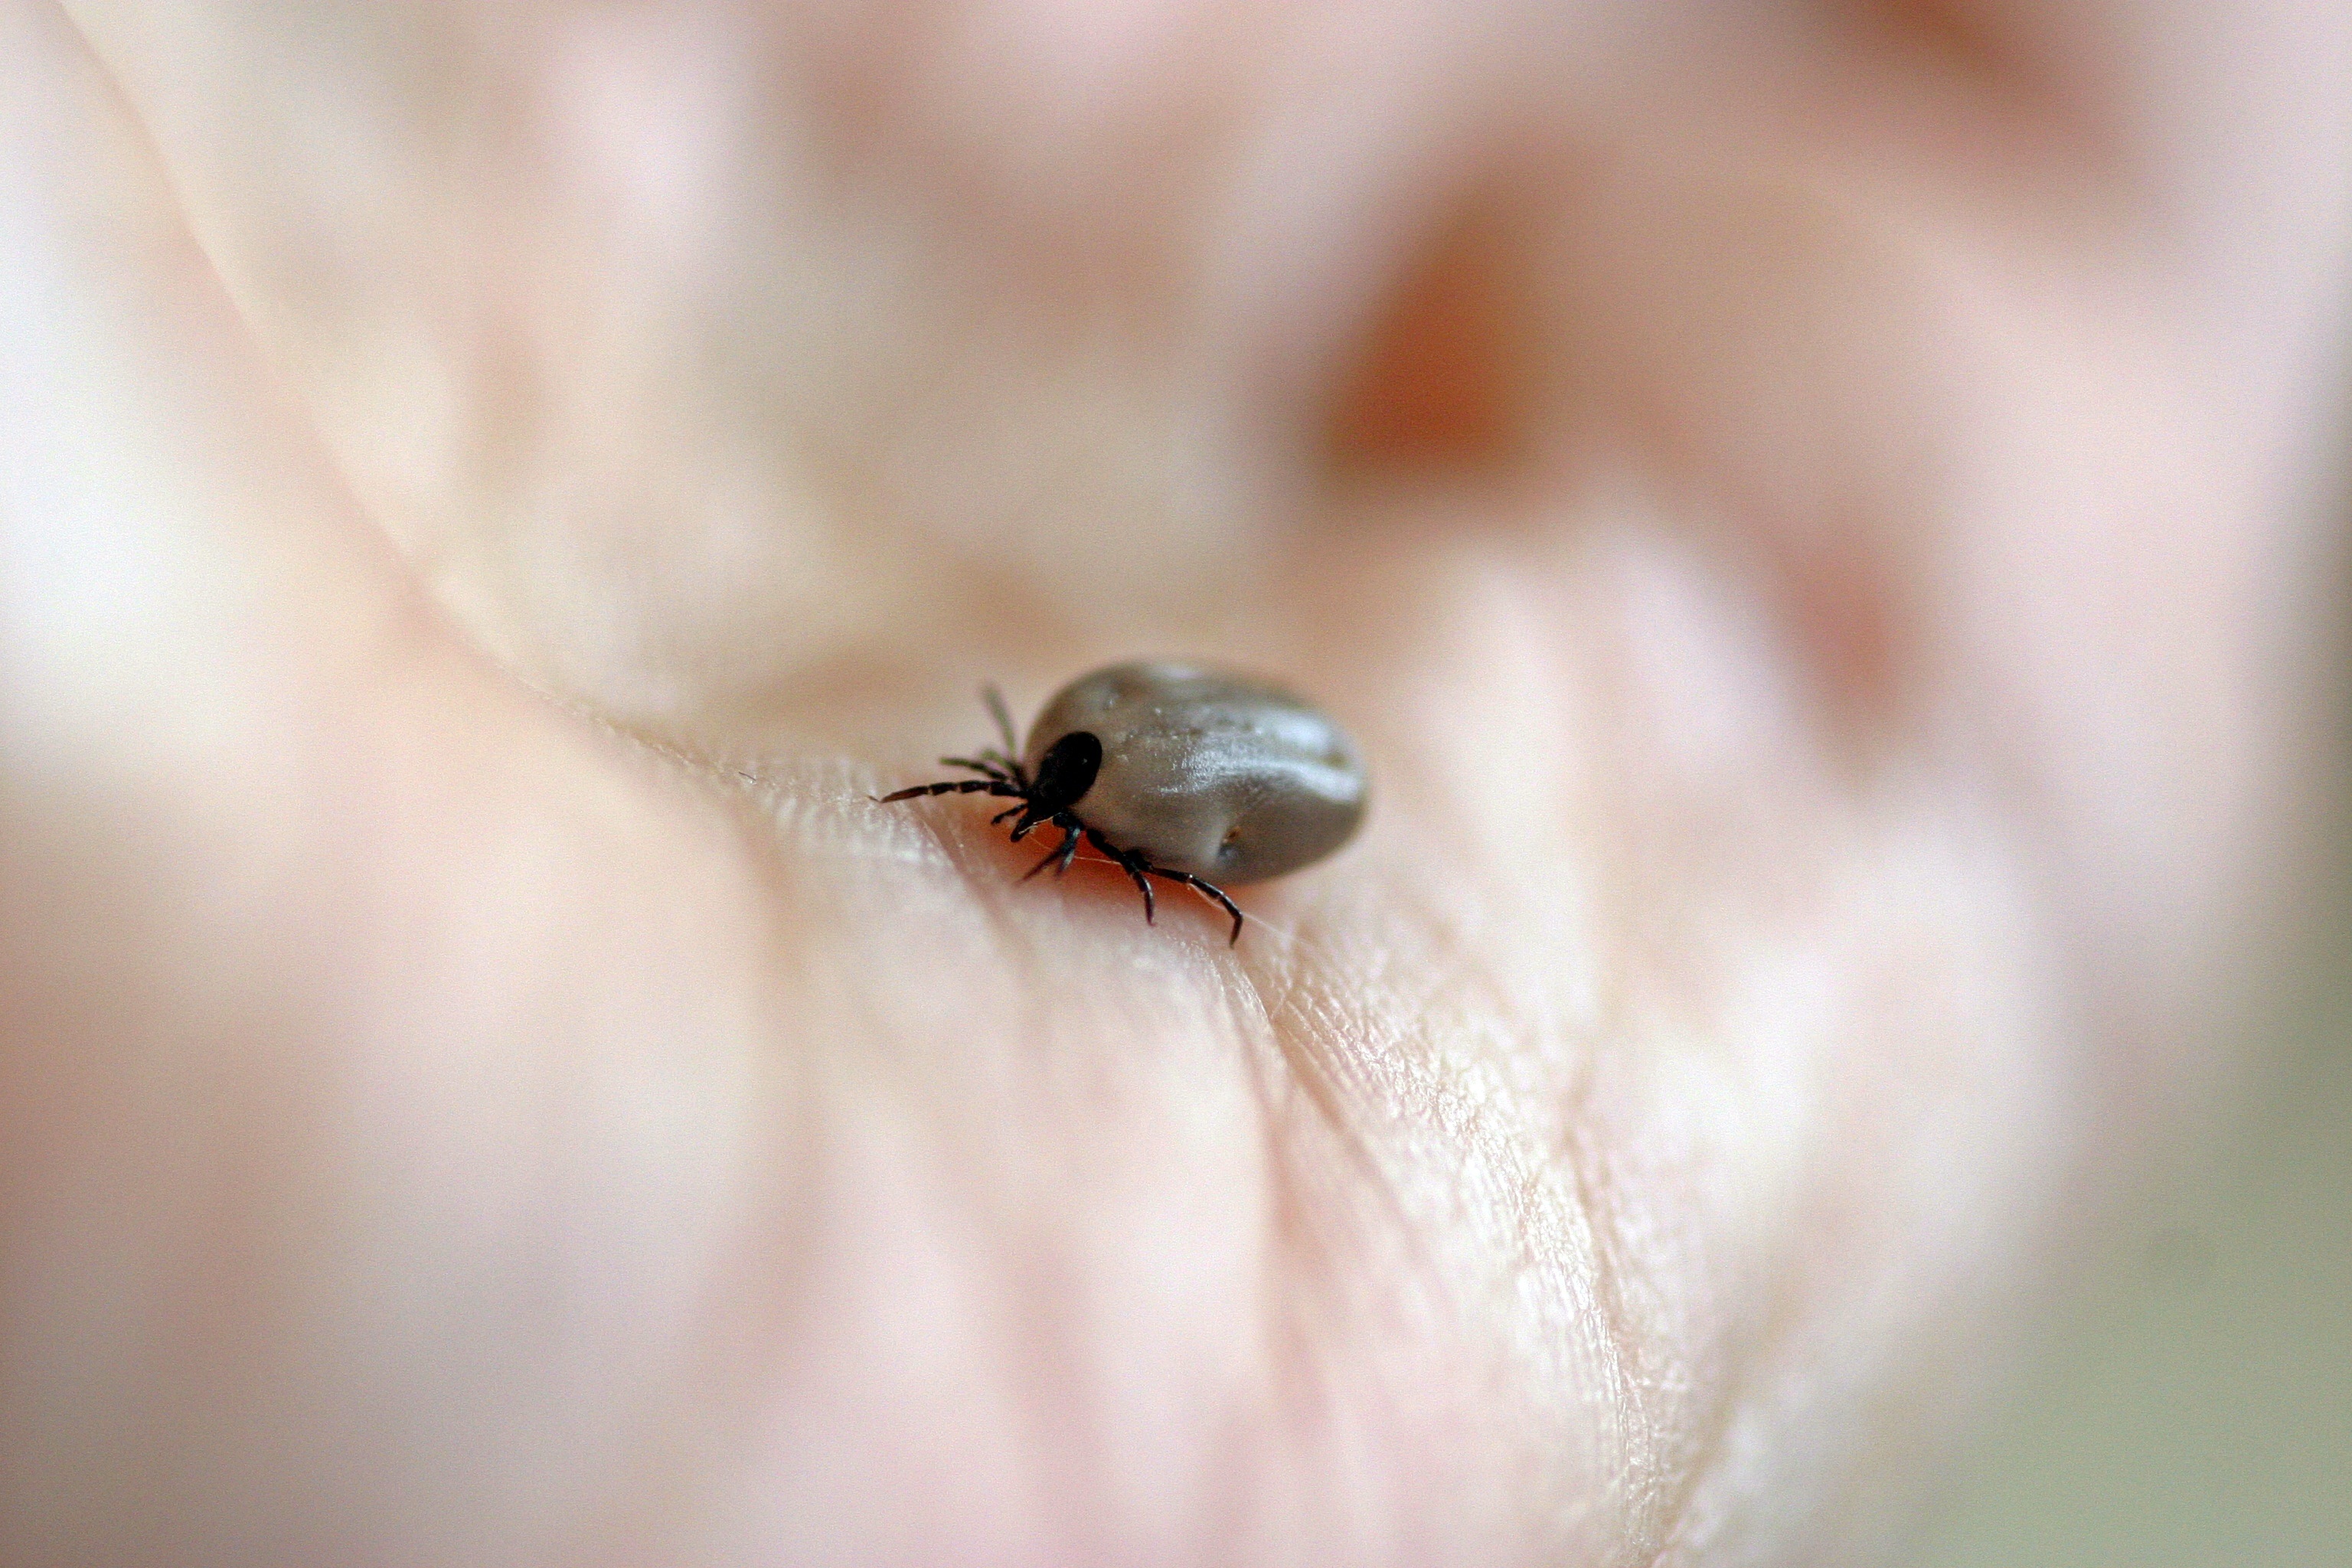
column 1642, row 1387
column 1344, row 1118
column 1305, row 1257
column 991, row 871
column 1705, row 1445
column 1494, row 1153
column 1583, row 1250
column 1638, row 1423
column 1769, row 1305
column 1765, row 1364
column 1438, row 945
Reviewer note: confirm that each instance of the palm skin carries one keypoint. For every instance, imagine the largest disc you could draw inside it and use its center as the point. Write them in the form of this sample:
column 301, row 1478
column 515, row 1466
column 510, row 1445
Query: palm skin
column 1800, row 520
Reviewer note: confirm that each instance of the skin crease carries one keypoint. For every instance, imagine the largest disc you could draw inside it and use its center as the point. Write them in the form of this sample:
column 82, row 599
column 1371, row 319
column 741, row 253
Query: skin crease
column 1806, row 516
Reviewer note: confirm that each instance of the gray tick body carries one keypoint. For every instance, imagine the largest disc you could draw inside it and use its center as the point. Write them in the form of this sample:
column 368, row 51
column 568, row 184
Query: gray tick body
column 1176, row 771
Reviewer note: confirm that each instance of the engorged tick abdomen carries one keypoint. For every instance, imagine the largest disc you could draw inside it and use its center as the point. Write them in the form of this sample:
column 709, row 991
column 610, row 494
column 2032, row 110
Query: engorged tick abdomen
column 1205, row 771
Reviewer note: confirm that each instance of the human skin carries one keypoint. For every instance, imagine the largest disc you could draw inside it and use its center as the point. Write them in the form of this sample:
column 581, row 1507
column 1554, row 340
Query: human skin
column 1808, row 513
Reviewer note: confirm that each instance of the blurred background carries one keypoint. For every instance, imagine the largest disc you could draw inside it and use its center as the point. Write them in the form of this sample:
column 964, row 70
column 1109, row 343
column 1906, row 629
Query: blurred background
column 2192, row 1402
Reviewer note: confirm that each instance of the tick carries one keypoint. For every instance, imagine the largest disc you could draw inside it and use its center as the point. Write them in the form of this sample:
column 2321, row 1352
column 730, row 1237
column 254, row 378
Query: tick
column 1175, row 770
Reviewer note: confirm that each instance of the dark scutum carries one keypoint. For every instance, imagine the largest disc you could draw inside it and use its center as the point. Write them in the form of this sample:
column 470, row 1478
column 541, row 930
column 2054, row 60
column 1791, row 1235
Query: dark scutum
column 1065, row 772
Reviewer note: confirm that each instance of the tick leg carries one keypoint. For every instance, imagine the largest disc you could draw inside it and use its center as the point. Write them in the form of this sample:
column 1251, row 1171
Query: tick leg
column 1132, row 864
column 981, row 766
column 952, row 787
column 995, row 700
column 1011, row 766
column 1009, row 810
column 1071, row 833
column 1208, row 891
column 1062, row 852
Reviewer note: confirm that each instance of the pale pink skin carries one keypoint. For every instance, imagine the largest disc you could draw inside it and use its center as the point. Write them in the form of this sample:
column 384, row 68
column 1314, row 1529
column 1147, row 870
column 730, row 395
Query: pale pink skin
column 481, row 1083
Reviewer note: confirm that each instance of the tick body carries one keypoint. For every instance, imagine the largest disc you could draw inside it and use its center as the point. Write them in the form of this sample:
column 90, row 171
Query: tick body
column 1176, row 771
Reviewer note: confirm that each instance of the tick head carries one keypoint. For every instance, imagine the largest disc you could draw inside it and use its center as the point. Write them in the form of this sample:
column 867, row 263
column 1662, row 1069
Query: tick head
column 1066, row 771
